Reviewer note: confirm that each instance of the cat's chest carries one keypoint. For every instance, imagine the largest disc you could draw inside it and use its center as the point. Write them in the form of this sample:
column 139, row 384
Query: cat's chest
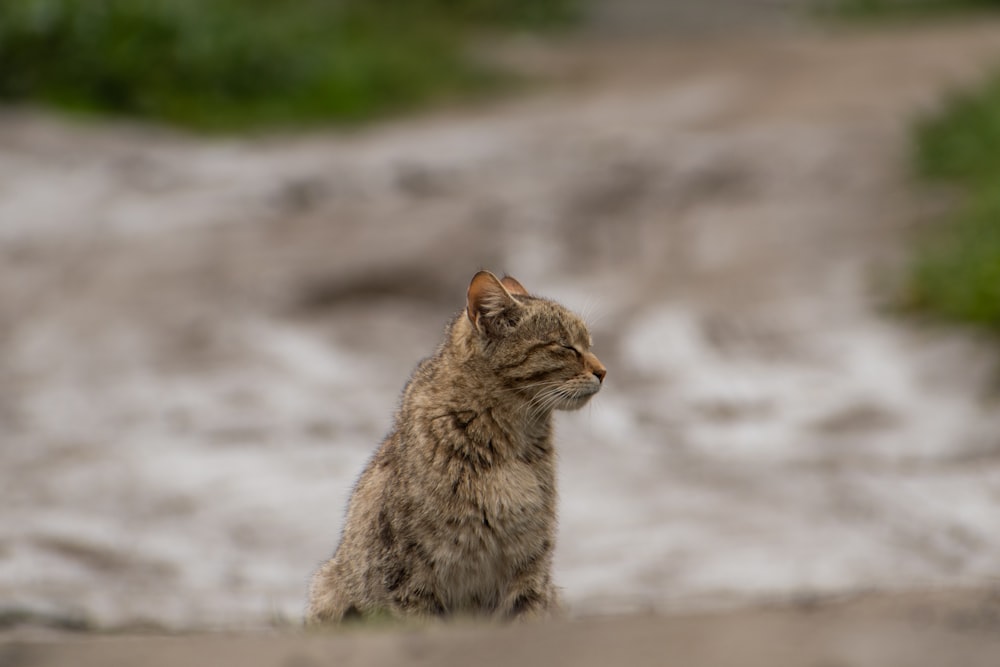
column 493, row 511
column 512, row 495
column 504, row 518
column 507, row 517
column 505, row 478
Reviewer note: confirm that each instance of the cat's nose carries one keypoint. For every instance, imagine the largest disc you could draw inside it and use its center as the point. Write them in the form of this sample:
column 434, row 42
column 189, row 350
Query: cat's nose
column 594, row 364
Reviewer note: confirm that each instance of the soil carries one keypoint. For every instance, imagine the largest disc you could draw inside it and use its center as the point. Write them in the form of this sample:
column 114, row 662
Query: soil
column 960, row 627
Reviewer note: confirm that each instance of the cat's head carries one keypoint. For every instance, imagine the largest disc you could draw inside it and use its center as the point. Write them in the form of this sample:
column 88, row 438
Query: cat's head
column 534, row 346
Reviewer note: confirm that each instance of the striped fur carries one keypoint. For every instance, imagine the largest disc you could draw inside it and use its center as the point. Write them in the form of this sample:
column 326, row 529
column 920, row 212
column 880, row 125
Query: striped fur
column 456, row 512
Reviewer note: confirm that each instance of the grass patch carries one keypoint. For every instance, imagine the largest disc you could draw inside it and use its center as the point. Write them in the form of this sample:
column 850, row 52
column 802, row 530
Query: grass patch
column 238, row 64
column 956, row 271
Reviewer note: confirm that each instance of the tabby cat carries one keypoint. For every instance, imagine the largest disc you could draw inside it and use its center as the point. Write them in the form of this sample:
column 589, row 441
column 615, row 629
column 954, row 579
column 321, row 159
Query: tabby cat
column 456, row 512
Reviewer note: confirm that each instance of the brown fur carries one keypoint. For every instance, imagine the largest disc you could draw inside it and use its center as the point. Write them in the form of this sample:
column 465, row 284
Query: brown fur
column 456, row 512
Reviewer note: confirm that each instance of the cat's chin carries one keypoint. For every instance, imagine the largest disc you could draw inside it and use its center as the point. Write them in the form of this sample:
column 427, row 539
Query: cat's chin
column 571, row 403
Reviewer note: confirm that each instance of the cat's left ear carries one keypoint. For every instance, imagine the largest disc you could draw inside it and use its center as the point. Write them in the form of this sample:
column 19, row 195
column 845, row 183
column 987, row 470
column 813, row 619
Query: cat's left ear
column 490, row 307
column 513, row 286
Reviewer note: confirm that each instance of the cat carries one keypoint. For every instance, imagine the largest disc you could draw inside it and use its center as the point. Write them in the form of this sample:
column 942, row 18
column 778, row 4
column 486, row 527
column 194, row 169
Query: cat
column 456, row 512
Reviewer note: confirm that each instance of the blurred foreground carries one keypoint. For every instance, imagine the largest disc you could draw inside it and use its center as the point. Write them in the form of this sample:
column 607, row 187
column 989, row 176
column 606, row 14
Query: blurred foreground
column 202, row 341
column 911, row 630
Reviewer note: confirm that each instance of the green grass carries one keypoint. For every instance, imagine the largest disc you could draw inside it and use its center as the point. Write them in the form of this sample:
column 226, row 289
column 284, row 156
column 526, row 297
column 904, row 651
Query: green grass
column 956, row 271
column 237, row 64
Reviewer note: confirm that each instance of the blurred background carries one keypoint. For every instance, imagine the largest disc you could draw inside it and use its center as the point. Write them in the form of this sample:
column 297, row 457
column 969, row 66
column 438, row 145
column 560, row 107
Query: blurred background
column 229, row 230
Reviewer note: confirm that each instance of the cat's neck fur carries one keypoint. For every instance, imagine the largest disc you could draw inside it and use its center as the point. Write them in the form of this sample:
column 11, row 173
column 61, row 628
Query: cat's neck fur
column 476, row 392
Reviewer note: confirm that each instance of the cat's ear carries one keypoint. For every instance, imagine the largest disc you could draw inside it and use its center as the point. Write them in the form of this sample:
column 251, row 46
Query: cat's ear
column 513, row 286
column 490, row 307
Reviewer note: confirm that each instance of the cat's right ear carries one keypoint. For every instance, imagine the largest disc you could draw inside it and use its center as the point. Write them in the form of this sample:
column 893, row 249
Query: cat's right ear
column 490, row 307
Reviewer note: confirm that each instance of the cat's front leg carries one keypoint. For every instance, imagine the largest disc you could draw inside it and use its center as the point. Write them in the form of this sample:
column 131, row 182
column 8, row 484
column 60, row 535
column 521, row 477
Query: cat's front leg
column 531, row 598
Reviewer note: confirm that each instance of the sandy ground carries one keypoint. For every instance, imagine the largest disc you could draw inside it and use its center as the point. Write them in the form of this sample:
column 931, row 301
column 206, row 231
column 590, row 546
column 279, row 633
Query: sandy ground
column 943, row 628
column 201, row 341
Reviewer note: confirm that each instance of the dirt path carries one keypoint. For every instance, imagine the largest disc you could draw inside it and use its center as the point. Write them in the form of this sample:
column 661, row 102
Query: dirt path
column 932, row 629
column 201, row 341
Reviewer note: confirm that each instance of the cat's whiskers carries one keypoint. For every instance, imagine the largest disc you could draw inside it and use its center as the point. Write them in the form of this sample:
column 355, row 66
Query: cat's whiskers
column 532, row 385
column 547, row 401
column 533, row 402
column 590, row 313
column 531, row 407
column 558, row 396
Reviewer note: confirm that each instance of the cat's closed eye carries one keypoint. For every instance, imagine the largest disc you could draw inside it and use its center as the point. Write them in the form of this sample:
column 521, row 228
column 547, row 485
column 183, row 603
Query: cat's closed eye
column 564, row 347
